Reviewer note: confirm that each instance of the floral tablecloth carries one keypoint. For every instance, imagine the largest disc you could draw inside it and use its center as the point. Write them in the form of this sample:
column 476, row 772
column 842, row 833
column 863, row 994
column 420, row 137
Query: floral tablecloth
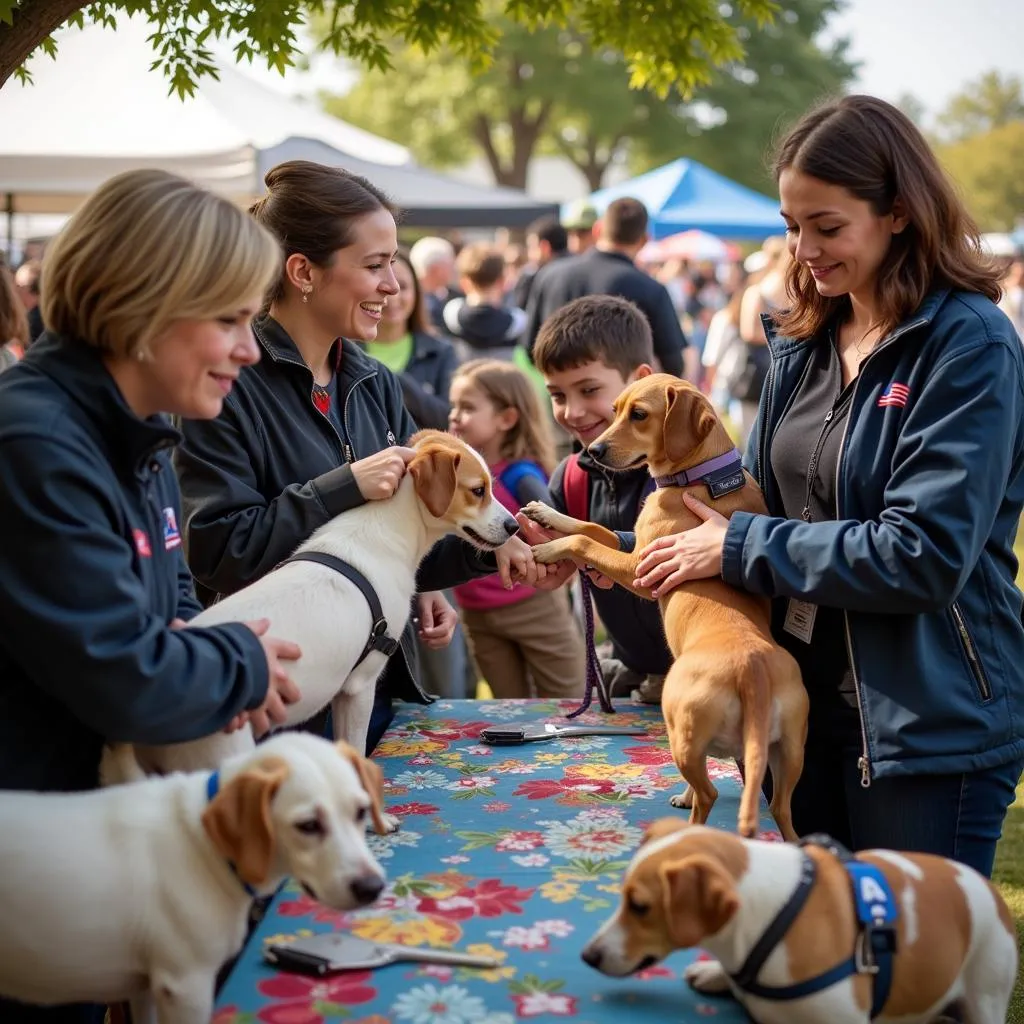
column 515, row 852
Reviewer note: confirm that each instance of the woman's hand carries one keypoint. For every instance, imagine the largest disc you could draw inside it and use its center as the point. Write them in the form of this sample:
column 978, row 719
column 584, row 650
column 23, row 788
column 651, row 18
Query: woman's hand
column 691, row 555
column 378, row 475
column 281, row 691
column 438, row 620
column 516, row 564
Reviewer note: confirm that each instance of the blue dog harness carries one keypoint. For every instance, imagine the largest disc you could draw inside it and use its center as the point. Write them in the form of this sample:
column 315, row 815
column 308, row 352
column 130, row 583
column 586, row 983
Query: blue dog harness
column 876, row 938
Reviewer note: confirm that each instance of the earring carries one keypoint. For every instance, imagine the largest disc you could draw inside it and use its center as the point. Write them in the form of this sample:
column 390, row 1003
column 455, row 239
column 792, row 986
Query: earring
column 140, row 354
column 305, row 294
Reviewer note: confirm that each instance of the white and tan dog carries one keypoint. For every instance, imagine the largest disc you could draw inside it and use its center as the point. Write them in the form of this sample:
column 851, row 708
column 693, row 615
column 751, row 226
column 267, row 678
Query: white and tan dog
column 143, row 891
column 696, row 886
column 446, row 490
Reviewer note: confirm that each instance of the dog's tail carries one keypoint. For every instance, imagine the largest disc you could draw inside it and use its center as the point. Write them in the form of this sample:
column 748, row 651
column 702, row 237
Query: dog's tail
column 756, row 703
column 118, row 765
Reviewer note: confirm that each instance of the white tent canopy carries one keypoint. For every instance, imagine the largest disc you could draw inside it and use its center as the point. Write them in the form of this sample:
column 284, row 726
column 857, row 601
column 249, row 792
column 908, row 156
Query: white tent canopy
column 98, row 110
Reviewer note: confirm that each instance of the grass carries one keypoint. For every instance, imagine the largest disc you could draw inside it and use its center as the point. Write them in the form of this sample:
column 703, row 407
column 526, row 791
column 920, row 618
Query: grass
column 1009, row 870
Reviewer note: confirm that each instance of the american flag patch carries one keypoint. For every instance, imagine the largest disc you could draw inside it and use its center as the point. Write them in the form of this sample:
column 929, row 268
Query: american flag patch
column 894, row 394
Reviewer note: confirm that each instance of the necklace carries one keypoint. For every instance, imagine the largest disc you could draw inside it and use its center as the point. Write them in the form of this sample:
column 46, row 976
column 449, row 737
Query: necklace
column 860, row 341
column 321, row 398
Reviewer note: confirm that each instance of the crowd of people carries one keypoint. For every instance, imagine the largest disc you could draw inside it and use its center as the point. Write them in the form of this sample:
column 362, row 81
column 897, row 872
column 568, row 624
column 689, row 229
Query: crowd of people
column 862, row 361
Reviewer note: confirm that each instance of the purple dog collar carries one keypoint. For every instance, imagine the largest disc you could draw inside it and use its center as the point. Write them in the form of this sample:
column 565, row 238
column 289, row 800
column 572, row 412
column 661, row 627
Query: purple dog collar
column 695, row 474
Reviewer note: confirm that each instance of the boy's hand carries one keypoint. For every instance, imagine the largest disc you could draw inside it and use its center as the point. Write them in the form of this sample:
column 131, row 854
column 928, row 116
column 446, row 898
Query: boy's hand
column 560, row 572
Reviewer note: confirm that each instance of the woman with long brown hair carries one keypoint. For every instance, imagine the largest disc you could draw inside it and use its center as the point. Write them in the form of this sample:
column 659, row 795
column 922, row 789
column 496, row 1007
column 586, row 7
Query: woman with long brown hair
column 890, row 449
column 409, row 347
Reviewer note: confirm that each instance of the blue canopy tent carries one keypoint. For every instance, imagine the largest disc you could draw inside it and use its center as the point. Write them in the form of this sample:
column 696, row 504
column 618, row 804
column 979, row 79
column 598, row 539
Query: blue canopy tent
column 685, row 194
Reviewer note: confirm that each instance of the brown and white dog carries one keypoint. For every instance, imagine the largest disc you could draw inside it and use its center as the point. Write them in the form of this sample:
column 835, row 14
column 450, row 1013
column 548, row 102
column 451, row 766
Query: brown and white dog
column 692, row 886
column 142, row 892
column 732, row 691
column 446, row 490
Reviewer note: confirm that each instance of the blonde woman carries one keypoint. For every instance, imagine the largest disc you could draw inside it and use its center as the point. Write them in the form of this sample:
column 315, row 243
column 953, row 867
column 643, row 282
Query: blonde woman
column 519, row 637
column 148, row 295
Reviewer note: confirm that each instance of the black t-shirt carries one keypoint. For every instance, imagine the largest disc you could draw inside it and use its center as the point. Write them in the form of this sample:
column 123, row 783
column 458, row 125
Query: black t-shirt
column 804, row 458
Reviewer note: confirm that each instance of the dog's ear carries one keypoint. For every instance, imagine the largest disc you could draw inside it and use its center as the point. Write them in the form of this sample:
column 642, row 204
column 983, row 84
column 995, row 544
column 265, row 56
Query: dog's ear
column 433, row 472
column 688, row 420
column 663, row 827
column 372, row 779
column 700, row 899
column 238, row 821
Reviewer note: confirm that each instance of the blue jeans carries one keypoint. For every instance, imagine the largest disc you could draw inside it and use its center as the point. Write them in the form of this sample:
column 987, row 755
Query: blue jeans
column 959, row 816
column 380, row 718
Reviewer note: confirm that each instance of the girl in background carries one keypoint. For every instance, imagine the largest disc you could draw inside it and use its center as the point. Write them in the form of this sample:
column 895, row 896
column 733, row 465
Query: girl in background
column 521, row 635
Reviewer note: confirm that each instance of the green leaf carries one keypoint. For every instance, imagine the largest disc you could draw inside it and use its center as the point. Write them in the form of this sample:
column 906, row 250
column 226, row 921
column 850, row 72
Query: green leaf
column 331, row 1010
column 532, row 983
column 481, row 840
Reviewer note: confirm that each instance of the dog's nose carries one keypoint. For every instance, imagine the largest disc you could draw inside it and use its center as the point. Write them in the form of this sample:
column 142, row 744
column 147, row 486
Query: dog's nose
column 598, row 449
column 511, row 527
column 366, row 888
column 592, row 955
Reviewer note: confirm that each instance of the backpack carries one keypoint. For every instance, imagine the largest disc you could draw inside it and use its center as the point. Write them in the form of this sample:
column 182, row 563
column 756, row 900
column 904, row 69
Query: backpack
column 576, row 489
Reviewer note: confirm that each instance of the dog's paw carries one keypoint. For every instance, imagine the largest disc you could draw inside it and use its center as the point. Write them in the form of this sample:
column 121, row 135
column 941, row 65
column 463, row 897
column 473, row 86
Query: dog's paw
column 684, row 800
column 391, row 823
column 546, row 516
column 707, row 977
column 551, row 552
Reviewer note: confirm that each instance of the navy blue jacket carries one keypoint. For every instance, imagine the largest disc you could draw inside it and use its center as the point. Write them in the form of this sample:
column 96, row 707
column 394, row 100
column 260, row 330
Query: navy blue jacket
column 930, row 486
column 93, row 573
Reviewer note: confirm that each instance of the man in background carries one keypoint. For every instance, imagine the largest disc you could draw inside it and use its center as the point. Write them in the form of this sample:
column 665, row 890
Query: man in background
column 433, row 259
column 579, row 223
column 546, row 240
column 608, row 268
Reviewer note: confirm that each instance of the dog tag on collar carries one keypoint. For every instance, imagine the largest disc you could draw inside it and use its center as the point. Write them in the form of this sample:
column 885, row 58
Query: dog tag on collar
column 800, row 619
column 723, row 483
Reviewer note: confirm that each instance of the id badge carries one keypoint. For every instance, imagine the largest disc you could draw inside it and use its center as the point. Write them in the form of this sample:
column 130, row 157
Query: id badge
column 800, row 619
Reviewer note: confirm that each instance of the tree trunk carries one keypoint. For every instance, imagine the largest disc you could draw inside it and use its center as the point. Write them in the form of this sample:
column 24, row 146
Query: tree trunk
column 32, row 22
column 525, row 129
column 588, row 162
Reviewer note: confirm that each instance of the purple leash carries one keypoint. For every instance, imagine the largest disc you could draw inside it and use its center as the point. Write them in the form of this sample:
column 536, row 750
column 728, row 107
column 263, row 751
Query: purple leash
column 595, row 677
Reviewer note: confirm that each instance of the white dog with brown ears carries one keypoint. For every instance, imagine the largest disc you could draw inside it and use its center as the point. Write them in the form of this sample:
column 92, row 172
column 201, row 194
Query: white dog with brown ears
column 446, row 490
column 142, row 892
column 782, row 923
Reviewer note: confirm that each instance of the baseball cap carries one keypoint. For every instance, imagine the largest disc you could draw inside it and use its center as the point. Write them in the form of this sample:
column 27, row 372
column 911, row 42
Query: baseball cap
column 580, row 216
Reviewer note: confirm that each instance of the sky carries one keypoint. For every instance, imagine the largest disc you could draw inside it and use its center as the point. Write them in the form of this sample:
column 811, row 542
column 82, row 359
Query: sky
column 930, row 48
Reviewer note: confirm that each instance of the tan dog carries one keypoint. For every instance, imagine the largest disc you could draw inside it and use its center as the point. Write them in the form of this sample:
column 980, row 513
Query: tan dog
column 732, row 691
column 447, row 490
column 690, row 886
column 143, row 891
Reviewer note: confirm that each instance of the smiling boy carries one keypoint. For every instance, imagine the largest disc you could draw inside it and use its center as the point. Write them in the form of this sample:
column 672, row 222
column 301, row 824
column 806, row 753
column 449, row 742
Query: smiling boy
column 588, row 352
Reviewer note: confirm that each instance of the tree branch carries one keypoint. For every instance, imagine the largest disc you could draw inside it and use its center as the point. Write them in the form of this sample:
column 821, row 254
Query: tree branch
column 32, row 22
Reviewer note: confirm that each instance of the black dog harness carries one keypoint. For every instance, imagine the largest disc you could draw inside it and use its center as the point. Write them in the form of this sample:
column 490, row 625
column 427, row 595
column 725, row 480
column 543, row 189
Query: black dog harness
column 876, row 938
column 379, row 639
